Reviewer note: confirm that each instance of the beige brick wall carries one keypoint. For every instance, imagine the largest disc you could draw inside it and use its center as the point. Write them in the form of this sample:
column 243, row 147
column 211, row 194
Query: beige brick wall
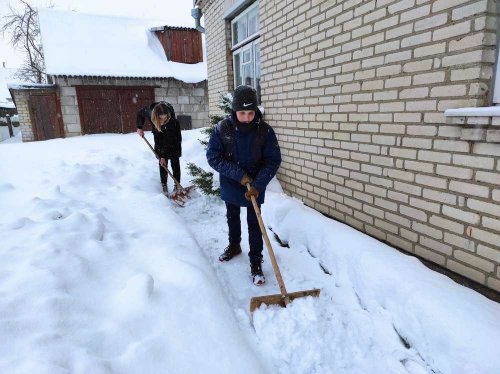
column 21, row 97
column 69, row 105
column 219, row 58
column 356, row 91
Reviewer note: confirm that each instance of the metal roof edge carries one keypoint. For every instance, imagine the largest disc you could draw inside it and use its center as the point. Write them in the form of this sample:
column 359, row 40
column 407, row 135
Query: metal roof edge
column 178, row 28
column 118, row 77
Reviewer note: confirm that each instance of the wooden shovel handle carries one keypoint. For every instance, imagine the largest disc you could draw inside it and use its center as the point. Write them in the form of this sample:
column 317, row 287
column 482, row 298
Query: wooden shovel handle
column 269, row 249
column 163, row 166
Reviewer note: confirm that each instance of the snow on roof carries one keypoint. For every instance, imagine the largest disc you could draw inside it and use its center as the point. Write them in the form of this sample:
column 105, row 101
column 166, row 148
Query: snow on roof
column 78, row 44
column 8, row 105
column 29, row 86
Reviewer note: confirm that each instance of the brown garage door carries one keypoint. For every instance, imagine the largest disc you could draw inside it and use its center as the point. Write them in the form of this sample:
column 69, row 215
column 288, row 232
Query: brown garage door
column 111, row 109
column 45, row 115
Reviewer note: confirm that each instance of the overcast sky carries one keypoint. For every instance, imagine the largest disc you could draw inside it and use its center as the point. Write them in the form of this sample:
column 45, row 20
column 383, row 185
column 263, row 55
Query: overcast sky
column 174, row 12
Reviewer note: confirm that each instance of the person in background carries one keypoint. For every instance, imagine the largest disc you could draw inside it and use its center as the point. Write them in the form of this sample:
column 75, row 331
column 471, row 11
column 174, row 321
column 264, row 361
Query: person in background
column 244, row 150
column 167, row 138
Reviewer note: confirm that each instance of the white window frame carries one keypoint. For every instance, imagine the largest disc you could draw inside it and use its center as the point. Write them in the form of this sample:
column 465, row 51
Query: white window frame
column 248, row 43
column 239, row 17
column 253, row 61
column 496, row 86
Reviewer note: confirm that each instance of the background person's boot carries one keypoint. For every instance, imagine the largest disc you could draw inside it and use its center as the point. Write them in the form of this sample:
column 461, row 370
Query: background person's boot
column 229, row 252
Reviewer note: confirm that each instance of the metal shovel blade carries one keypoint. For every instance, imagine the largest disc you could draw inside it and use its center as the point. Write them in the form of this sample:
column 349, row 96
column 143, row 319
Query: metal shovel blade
column 181, row 195
column 279, row 299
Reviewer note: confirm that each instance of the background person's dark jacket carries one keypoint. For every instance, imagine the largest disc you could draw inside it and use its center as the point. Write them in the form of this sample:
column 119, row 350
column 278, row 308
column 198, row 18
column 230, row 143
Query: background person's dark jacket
column 259, row 158
column 168, row 141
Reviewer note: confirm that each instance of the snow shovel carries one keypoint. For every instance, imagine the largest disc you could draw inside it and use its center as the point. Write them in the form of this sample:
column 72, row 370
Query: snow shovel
column 284, row 298
column 180, row 194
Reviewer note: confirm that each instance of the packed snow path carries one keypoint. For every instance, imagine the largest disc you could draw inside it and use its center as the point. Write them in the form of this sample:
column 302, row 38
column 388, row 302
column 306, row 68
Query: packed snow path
column 100, row 273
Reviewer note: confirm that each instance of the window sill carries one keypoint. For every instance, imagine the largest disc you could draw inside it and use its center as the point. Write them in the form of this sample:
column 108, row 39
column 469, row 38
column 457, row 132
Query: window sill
column 490, row 111
column 485, row 116
column 477, row 124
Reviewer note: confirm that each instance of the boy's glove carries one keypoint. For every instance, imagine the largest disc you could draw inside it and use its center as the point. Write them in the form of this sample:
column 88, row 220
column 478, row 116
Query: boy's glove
column 252, row 192
column 245, row 180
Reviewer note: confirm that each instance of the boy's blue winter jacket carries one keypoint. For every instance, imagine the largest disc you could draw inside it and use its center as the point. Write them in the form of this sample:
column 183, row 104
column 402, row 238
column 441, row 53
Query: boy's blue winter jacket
column 237, row 148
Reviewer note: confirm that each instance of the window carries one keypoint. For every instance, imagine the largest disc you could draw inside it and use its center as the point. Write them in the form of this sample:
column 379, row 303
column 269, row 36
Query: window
column 496, row 87
column 246, row 25
column 246, row 48
column 257, row 67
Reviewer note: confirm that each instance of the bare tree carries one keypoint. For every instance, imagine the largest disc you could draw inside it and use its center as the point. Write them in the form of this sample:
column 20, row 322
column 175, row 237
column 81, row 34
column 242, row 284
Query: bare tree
column 24, row 31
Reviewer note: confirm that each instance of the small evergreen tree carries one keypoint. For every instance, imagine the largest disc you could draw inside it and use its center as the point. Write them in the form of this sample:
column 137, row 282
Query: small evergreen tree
column 203, row 179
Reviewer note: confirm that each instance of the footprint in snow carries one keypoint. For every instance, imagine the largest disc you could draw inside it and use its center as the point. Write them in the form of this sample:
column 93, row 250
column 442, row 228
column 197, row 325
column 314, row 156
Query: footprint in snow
column 20, row 223
column 5, row 187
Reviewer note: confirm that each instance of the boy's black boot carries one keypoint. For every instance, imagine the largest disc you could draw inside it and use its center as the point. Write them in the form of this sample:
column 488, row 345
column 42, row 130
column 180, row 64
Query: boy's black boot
column 229, row 252
column 164, row 188
column 257, row 274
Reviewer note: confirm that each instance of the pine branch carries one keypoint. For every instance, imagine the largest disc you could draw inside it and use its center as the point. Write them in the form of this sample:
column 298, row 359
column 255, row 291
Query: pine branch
column 204, row 180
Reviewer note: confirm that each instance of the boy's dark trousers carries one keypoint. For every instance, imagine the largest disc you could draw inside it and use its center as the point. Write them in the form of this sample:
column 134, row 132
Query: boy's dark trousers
column 176, row 170
column 254, row 234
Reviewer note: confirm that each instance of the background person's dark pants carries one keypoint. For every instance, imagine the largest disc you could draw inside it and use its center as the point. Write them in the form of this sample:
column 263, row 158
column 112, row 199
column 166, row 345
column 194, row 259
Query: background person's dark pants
column 254, row 234
column 176, row 170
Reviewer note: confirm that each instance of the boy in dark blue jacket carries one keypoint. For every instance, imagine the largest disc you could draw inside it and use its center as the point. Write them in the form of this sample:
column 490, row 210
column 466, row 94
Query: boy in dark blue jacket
column 244, row 149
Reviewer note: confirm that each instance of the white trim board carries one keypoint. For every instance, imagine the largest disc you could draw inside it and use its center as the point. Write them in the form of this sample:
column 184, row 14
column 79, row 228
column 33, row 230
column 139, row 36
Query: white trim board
column 490, row 111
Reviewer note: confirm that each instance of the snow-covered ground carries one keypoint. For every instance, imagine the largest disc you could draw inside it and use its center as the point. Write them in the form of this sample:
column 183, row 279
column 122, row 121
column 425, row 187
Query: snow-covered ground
column 100, row 273
column 5, row 135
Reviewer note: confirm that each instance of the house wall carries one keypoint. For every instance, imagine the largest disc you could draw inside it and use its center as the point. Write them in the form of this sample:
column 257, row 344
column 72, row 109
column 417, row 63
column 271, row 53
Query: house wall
column 187, row 98
column 356, row 91
column 219, row 58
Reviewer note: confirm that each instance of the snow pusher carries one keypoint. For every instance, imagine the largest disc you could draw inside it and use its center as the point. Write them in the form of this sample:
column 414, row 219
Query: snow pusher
column 284, row 298
column 180, row 194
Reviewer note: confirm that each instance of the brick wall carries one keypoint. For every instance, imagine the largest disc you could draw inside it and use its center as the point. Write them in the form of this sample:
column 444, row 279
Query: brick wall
column 21, row 97
column 219, row 57
column 69, row 105
column 357, row 90
column 186, row 98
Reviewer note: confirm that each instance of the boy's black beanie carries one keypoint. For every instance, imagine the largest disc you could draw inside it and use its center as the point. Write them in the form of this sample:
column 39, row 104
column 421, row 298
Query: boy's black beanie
column 244, row 98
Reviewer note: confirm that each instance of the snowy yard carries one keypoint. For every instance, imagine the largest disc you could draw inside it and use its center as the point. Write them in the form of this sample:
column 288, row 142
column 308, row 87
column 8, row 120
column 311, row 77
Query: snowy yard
column 100, row 273
column 4, row 132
